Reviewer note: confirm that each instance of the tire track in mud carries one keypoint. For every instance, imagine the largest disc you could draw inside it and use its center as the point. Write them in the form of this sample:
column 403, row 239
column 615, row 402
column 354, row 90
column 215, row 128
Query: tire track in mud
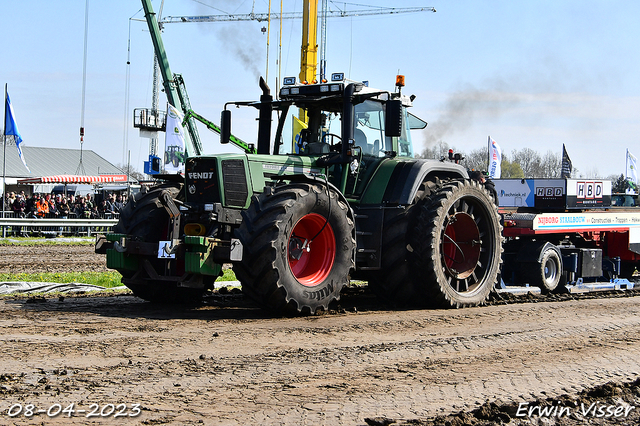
column 198, row 365
column 20, row 258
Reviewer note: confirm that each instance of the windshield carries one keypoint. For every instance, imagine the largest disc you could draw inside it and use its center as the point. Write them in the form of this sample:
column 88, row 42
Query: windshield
column 324, row 130
column 297, row 135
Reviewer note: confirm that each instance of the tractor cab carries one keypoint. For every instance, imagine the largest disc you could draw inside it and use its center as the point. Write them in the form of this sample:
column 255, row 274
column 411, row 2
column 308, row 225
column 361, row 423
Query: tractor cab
column 320, row 109
column 344, row 126
column 350, row 126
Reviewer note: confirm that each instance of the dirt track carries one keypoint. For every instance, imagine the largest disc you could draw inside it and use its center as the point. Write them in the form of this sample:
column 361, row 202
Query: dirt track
column 50, row 258
column 228, row 363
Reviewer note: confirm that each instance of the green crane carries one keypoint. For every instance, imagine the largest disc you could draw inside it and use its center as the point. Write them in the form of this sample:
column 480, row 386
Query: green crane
column 173, row 83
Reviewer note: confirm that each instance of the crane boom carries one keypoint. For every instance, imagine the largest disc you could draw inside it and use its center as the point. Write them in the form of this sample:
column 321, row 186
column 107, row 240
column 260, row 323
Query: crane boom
column 161, row 54
column 309, row 15
column 260, row 17
column 173, row 84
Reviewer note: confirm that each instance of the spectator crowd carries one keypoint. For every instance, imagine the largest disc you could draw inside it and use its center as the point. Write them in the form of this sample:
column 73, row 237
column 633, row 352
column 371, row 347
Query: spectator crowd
column 59, row 206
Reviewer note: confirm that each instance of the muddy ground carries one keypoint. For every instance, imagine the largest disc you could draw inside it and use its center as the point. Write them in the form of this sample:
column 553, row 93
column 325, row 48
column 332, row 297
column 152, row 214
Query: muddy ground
column 15, row 259
column 125, row 361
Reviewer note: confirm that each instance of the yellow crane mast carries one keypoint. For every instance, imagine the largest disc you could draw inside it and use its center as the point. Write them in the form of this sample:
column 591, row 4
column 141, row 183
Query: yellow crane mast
column 309, row 54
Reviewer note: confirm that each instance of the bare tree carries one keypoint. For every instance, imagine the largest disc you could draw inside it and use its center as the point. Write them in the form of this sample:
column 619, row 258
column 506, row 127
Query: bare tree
column 529, row 161
column 592, row 173
column 525, row 163
column 477, row 159
column 437, row 151
column 551, row 165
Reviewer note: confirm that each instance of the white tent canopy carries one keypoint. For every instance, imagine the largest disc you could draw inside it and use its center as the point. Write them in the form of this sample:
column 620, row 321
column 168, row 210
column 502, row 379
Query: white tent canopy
column 76, row 179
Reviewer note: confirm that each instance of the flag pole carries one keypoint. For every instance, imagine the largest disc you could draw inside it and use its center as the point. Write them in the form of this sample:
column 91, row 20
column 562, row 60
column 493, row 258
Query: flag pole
column 4, row 151
column 488, row 152
column 626, row 165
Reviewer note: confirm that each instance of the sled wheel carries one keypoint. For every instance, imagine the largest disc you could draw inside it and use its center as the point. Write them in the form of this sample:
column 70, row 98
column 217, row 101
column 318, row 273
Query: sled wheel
column 546, row 274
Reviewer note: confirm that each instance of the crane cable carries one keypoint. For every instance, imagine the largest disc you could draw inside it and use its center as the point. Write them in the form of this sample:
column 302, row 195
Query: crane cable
column 84, row 84
column 279, row 55
column 127, row 90
column 84, row 69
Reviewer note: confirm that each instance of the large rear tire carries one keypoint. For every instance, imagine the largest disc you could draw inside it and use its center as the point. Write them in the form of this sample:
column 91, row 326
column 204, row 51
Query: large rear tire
column 145, row 219
column 298, row 248
column 457, row 246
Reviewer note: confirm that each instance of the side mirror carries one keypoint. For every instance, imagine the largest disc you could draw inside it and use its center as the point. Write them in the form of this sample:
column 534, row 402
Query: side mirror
column 225, row 126
column 393, row 118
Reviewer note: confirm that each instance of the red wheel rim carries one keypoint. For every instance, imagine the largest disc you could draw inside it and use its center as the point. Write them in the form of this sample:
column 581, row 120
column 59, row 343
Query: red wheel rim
column 311, row 267
column 461, row 245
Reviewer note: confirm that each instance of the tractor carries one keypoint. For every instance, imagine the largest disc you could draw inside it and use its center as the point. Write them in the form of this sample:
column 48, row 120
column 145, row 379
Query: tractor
column 330, row 192
column 174, row 155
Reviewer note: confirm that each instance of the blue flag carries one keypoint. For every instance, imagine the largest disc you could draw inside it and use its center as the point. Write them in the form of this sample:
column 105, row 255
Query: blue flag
column 11, row 128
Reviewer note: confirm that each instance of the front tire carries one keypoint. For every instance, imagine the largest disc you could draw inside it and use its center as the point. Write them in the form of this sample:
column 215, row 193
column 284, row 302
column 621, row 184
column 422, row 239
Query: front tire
column 298, row 248
column 145, row 219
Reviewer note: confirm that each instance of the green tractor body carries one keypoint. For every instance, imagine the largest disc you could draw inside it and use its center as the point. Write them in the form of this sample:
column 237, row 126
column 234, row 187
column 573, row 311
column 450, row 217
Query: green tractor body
column 333, row 195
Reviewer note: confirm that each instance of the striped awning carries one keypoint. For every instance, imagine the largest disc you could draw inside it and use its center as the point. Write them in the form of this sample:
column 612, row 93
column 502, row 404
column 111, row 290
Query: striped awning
column 77, row 179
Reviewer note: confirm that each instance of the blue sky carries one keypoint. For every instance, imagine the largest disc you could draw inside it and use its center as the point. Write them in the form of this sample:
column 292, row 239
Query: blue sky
column 529, row 74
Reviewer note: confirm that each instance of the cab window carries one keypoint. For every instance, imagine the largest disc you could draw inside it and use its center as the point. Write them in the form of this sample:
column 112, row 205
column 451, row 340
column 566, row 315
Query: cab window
column 369, row 131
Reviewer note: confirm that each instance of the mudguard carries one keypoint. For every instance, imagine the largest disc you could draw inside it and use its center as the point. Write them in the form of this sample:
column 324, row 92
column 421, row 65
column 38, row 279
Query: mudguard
column 406, row 178
column 533, row 251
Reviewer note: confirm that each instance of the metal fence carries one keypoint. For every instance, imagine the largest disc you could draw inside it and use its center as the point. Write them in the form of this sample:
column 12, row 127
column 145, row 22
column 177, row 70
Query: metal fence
column 72, row 215
column 26, row 226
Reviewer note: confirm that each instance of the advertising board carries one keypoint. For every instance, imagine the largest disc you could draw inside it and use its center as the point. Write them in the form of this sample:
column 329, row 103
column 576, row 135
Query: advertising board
column 586, row 193
column 514, row 192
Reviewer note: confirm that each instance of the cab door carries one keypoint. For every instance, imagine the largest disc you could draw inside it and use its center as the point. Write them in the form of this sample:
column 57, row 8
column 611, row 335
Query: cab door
column 371, row 146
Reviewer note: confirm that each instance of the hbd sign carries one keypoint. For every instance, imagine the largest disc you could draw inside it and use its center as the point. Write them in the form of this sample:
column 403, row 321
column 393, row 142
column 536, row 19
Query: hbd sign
column 589, row 190
column 550, row 194
column 549, row 191
column 588, row 194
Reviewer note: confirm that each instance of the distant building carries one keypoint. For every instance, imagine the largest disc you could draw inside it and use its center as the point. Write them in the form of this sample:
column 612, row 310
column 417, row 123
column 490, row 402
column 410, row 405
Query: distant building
column 49, row 162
